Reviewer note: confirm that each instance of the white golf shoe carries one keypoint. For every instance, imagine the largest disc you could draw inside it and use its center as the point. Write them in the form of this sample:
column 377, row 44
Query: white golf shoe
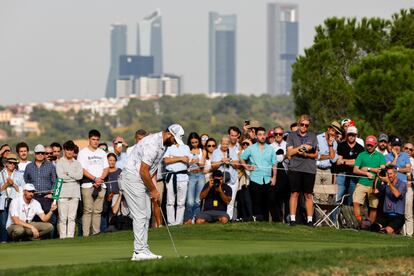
column 144, row 255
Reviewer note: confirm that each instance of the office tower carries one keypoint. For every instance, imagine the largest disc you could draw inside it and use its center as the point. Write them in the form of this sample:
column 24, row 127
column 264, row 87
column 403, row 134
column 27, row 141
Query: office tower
column 149, row 39
column 157, row 86
column 118, row 48
column 282, row 46
column 222, row 53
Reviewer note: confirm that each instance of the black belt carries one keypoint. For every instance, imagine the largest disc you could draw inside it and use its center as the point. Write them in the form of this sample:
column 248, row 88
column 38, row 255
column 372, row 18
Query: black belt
column 174, row 176
column 324, row 169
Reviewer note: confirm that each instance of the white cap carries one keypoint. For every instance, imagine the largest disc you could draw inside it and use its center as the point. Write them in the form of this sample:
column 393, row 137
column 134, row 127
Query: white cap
column 352, row 130
column 29, row 187
column 178, row 132
column 39, row 148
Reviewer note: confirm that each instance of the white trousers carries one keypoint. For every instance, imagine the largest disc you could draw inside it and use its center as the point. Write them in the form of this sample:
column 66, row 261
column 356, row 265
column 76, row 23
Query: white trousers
column 139, row 203
column 176, row 217
column 230, row 207
column 67, row 208
column 408, row 226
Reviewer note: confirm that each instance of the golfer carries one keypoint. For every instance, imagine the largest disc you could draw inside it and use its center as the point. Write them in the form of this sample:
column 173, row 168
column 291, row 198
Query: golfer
column 138, row 187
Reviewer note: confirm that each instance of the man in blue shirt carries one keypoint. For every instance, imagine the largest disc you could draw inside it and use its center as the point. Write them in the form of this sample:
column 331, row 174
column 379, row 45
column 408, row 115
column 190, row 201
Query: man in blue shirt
column 394, row 203
column 399, row 159
column 262, row 164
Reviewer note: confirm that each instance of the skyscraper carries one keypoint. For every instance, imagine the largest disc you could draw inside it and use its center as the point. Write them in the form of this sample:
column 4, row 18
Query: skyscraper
column 282, row 46
column 222, row 53
column 149, row 39
column 118, row 48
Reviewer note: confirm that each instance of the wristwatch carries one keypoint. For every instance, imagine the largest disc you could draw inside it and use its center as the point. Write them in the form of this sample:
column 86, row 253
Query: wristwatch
column 369, row 169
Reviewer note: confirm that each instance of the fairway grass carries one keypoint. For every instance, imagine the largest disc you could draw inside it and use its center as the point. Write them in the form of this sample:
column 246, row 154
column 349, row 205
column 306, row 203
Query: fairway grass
column 237, row 249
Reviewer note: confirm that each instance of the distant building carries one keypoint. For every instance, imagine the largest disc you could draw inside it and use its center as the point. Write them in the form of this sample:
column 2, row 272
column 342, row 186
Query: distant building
column 118, row 48
column 124, row 87
column 136, row 66
column 282, row 46
column 222, row 53
column 158, row 86
column 149, row 39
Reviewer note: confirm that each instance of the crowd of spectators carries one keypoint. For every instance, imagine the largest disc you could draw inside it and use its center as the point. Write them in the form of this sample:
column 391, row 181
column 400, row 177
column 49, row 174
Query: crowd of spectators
column 249, row 174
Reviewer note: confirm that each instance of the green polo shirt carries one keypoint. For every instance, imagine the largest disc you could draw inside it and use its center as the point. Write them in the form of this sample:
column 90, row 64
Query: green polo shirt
column 369, row 160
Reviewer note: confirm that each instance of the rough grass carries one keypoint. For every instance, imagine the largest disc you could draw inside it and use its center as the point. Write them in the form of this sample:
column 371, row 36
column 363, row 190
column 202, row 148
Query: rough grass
column 235, row 249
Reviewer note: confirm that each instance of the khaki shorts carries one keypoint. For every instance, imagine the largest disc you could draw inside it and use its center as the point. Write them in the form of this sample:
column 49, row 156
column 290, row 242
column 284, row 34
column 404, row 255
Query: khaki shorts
column 359, row 195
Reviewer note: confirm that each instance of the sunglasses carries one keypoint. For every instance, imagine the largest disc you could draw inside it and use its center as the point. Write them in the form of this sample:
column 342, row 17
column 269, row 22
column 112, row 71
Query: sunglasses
column 12, row 163
column 32, row 192
column 304, row 125
column 40, row 153
column 351, row 134
column 245, row 144
column 410, row 149
column 211, row 146
column 49, row 153
column 278, row 134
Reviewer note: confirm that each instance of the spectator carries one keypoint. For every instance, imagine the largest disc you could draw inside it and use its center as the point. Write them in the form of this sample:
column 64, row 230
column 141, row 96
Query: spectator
column 408, row 226
column 112, row 189
column 243, row 198
column 345, row 123
column 294, row 127
column 234, row 136
column 270, row 137
column 76, row 152
column 383, row 144
column 49, row 154
column 11, row 184
column 57, row 150
column 280, row 193
column 302, row 148
column 348, row 151
column 103, row 146
column 119, row 219
column 250, row 129
column 367, row 164
column 216, row 195
column 93, row 188
column 20, row 222
column 196, row 178
column 226, row 160
column 42, row 174
column 262, row 164
column 204, row 137
column 22, row 150
column 70, row 170
column 4, row 151
column 209, row 148
column 119, row 144
column 394, row 203
column 139, row 135
column 176, row 160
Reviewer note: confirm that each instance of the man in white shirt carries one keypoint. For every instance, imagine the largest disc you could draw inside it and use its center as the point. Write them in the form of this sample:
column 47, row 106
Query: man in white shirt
column 21, row 213
column 119, row 144
column 176, row 159
column 138, row 184
column 95, row 169
column 22, row 150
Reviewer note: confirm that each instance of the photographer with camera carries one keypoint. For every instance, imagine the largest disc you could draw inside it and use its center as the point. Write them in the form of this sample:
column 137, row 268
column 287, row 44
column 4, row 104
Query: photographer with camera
column 216, row 195
column 368, row 164
column 394, row 203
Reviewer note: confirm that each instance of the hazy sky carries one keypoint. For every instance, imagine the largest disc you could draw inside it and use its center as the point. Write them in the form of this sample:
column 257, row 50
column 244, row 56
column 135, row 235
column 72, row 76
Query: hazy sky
column 53, row 49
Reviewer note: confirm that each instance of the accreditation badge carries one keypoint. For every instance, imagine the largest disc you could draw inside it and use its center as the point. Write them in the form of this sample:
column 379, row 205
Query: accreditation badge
column 215, row 203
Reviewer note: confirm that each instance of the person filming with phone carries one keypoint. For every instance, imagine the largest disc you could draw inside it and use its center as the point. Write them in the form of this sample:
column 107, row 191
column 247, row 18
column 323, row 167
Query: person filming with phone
column 216, row 195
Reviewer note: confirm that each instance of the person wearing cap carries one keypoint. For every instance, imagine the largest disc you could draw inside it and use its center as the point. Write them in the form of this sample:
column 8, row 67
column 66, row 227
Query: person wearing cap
column 368, row 164
column 270, row 139
column 250, row 128
column 23, row 209
column 42, row 174
column 345, row 123
column 138, row 184
column 71, row 171
column 119, row 144
column 280, row 193
column 383, row 140
column 408, row 228
column 11, row 184
column 302, row 148
column 95, row 169
column 348, row 151
column 176, row 159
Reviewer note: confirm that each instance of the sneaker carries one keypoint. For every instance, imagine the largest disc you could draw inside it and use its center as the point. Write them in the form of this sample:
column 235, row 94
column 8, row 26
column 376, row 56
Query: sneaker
column 144, row 255
column 310, row 224
column 292, row 223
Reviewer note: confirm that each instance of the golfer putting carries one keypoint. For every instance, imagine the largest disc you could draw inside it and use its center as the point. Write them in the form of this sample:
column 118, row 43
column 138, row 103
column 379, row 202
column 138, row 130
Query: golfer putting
column 138, row 188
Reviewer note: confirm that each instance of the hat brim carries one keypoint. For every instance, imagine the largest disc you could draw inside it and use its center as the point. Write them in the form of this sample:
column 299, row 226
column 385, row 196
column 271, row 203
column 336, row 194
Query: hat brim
column 12, row 161
column 338, row 130
column 371, row 144
column 178, row 140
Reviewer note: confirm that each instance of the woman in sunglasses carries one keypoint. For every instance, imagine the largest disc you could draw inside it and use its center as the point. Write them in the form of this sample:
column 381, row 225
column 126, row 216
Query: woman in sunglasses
column 210, row 146
column 11, row 183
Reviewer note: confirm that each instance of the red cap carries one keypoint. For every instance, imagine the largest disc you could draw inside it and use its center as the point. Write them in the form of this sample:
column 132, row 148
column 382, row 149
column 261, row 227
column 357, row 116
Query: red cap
column 271, row 133
column 371, row 140
column 351, row 123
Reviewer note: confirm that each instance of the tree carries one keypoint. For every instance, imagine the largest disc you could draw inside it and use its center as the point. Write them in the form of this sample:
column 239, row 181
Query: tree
column 402, row 29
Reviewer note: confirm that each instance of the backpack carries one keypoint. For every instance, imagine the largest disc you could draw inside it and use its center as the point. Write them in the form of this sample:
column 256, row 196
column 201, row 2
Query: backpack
column 347, row 218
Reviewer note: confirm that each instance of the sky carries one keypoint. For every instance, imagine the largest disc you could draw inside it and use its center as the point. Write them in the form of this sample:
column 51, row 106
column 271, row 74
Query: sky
column 60, row 49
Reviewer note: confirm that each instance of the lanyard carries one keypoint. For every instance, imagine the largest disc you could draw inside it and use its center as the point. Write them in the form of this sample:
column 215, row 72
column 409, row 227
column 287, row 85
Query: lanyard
column 26, row 213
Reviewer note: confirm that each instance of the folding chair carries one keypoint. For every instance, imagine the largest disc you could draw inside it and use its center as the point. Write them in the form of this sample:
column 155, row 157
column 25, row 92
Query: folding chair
column 328, row 207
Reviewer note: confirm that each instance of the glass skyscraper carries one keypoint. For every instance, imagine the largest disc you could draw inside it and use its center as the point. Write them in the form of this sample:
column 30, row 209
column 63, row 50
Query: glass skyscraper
column 118, row 48
column 149, row 39
column 222, row 53
column 282, row 46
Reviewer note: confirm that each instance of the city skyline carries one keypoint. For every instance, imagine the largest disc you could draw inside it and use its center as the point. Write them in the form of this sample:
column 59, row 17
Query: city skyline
column 60, row 50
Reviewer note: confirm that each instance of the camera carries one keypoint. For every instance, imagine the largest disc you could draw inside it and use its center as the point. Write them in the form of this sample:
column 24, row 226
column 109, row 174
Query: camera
column 217, row 183
column 382, row 173
column 247, row 122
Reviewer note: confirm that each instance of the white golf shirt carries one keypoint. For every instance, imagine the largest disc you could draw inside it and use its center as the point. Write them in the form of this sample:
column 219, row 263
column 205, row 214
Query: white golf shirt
column 25, row 212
